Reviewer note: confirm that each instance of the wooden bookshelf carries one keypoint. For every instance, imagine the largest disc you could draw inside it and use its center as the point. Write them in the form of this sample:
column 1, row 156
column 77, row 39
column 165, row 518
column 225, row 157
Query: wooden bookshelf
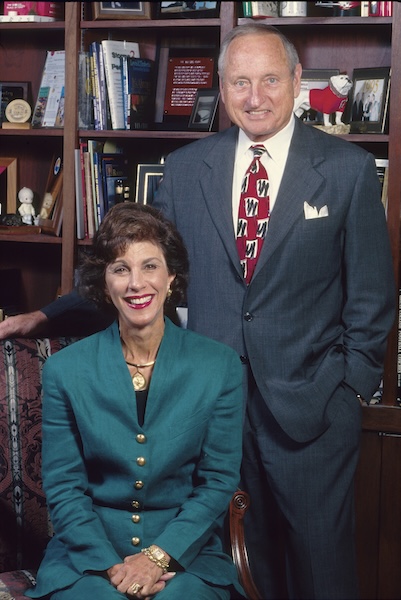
column 47, row 263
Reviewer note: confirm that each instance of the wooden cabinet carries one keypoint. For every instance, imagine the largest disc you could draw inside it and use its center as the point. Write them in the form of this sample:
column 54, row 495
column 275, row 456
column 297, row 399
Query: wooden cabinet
column 45, row 264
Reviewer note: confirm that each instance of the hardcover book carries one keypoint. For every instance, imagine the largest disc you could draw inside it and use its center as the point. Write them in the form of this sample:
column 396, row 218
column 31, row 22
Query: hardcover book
column 141, row 90
column 113, row 50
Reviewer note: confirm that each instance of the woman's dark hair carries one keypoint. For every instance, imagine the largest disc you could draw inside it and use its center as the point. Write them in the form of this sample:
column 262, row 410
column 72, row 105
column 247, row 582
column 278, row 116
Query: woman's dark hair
column 123, row 224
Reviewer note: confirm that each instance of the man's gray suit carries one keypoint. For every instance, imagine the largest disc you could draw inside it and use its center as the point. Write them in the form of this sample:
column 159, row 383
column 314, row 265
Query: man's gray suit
column 311, row 327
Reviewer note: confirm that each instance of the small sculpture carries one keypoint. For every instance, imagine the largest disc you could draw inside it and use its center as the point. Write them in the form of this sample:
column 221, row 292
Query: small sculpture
column 331, row 99
column 26, row 209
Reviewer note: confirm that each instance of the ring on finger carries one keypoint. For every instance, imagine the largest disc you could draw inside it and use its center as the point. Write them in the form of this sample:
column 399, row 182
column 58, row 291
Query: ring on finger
column 135, row 588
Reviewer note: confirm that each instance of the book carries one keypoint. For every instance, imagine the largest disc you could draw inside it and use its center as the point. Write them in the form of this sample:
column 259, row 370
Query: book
column 50, row 90
column 59, row 122
column 141, row 85
column 83, row 149
column 262, row 10
column 247, row 9
column 79, row 196
column 113, row 50
column 90, row 213
column 85, row 99
column 124, row 83
column 98, row 94
column 94, row 148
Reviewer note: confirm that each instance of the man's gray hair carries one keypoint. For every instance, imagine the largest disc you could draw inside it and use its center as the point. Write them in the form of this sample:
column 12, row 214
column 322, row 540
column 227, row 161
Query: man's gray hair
column 257, row 28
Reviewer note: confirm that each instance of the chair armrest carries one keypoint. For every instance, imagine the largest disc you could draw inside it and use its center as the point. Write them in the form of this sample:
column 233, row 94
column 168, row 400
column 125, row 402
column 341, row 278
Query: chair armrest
column 238, row 506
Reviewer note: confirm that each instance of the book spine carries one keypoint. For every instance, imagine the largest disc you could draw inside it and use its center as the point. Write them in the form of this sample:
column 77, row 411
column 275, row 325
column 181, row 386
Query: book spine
column 79, row 196
column 247, row 9
column 124, row 85
column 98, row 188
column 102, row 86
column 83, row 147
column 89, row 198
column 95, row 88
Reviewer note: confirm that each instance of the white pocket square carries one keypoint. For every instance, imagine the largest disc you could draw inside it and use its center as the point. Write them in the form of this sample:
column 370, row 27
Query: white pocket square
column 311, row 212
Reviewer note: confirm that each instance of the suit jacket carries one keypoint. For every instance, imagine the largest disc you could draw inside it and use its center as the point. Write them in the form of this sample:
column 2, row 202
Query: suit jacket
column 191, row 442
column 322, row 299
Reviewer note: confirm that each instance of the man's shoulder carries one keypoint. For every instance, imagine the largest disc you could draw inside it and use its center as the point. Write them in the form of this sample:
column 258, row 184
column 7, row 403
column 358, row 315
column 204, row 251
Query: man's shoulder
column 203, row 146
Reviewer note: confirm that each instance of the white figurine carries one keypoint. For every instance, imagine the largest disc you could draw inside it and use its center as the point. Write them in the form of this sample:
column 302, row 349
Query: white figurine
column 26, row 209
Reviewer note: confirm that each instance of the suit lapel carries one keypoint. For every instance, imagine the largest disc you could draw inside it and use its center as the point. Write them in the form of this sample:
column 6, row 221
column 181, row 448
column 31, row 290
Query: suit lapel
column 217, row 190
column 300, row 183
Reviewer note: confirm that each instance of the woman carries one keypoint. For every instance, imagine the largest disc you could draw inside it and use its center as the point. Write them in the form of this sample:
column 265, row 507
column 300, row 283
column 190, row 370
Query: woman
column 141, row 432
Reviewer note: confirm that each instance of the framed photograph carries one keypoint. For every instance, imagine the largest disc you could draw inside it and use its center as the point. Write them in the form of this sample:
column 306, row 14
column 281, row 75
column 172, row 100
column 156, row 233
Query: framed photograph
column 313, row 79
column 148, row 178
column 8, row 185
column 122, row 10
column 204, row 110
column 51, row 209
column 187, row 10
column 369, row 100
column 12, row 90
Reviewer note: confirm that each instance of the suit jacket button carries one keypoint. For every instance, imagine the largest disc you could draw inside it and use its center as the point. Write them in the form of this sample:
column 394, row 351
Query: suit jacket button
column 136, row 541
column 138, row 485
column 248, row 316
column 135, row 504
column 141, row 461
column 140, row 438
column 244, row 359
column 135, row 518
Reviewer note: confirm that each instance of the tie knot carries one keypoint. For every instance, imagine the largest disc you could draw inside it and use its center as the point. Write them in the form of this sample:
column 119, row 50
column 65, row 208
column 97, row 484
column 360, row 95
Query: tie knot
column 258, row 150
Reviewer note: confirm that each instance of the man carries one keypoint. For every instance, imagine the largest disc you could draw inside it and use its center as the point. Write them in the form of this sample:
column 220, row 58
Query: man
column 311, row 324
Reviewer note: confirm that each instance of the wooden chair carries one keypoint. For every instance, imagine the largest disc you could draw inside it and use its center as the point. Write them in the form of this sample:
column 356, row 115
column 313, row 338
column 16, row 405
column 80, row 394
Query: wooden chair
column 238, row 506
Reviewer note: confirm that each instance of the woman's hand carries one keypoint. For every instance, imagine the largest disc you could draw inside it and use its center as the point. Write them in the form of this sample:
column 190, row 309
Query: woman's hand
column 138, row 569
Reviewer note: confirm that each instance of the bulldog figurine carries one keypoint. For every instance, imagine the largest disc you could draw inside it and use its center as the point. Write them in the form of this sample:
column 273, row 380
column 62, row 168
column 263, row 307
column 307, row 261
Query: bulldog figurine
column 331, row 99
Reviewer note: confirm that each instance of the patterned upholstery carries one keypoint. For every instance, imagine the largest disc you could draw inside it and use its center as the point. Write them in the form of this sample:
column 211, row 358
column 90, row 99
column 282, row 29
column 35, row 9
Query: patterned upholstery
column 24, row 523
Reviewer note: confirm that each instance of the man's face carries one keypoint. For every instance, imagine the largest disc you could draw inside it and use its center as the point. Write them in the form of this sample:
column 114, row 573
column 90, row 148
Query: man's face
column 257, row 87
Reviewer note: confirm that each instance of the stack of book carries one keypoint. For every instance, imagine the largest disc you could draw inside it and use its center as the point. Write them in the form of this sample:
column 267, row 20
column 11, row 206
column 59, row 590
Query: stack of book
column 121, row 85
column 101, row 180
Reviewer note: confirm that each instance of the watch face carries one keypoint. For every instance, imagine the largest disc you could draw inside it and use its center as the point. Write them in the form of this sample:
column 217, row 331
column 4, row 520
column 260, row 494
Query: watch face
column 18, row 111
column 158, row 553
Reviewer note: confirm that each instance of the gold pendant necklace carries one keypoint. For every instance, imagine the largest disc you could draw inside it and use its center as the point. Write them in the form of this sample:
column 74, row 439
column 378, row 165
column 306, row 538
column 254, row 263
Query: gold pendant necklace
column 138, row 379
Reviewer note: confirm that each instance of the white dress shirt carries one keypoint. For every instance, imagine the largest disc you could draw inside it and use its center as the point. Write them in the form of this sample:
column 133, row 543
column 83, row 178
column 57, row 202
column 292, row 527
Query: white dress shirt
column 274, row 161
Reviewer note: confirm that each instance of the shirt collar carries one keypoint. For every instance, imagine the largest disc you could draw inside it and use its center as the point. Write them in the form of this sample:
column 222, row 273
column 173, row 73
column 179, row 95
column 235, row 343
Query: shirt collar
column 277, row 146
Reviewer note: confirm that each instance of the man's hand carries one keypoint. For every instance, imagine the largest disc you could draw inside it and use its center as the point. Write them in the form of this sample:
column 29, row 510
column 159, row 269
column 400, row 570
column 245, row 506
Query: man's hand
column 25, row 325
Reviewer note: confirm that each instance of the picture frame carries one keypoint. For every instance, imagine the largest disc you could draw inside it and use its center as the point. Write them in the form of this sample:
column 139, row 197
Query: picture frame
column 12, row 90
column 8, row 175
column 180, row 10
column 204, row 109
column 174, row 95
column 51, row 209
column 148, row 178
column 126, row 10
column 371, row 91
column 315, row 79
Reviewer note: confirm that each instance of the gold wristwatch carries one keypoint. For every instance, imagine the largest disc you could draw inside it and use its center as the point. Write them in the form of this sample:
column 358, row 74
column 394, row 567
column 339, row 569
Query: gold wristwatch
column 156, row 555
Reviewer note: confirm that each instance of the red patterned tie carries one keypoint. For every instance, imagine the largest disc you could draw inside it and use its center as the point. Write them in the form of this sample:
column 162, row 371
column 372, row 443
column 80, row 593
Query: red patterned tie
column 253, row 214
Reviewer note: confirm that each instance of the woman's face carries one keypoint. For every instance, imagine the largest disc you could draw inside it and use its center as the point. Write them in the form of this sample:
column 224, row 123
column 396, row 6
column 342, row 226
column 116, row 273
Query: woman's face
column 137, row 284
